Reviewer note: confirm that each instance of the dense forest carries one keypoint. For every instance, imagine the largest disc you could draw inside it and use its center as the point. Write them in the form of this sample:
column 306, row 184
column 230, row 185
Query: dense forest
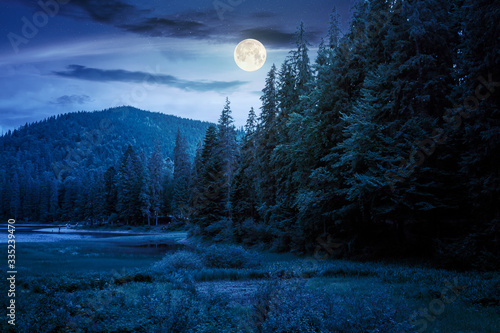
column 387, row 143
column 58, row 169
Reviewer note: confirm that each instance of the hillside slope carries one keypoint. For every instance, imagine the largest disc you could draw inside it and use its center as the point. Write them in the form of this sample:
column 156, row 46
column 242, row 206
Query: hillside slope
column 74, row 150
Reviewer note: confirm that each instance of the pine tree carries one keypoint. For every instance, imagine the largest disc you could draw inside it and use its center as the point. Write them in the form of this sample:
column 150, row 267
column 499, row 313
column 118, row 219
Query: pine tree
column 322, row 130
column 53, row 214
column 265, row 141
column 168, row 188
column 156, row 175
column 182, row 169
column 300, row 62
column 110, row 191
column 130, row 182
column 243, row 193
column 397, row 108
column 145, row 195
column 288, row 156
column 476, row 109
column 209, row 194
column 227, row 149
column 15, row 197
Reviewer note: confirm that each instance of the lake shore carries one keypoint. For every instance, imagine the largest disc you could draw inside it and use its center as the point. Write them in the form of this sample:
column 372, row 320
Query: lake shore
column 74, row 230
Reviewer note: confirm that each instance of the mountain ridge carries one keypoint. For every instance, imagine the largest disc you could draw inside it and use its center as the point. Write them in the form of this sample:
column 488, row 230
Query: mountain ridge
column 59, row 159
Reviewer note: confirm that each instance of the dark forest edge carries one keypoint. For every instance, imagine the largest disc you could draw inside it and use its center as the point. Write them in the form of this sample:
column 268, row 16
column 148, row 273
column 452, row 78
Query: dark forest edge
column 387, row 145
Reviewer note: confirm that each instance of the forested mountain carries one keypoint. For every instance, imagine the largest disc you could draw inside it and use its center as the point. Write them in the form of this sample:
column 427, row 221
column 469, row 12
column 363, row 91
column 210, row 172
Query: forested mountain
column 56, row 169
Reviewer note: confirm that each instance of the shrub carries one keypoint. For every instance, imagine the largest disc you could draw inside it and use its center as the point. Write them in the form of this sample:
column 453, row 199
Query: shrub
column 253, row 233
column 178, row 260
column 228, row 256
column 220, row 231
column 139, row 277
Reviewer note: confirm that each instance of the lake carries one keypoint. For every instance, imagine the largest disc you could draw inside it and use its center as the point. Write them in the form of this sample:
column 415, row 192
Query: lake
column 27, row 233
column 79, row 250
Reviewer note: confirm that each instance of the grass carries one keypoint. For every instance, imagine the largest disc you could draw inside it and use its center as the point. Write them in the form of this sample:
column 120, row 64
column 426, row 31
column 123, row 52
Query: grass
column 110, row 285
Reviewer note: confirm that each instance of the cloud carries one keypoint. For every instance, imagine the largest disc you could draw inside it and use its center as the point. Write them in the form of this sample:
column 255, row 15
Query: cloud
column 276, row 37
column 269, row 36
column 194, row 25
column 120, row 75
column 190, row 24
column 73, row 99
column 168, row 27
column 201, row 23
column 109, row 11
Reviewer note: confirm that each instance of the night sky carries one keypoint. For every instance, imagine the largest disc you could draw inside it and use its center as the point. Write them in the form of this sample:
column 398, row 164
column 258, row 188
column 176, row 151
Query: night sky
column 169, row 56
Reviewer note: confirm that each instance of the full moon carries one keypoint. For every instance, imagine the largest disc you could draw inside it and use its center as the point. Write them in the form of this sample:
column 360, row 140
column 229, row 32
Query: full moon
column 250, row 55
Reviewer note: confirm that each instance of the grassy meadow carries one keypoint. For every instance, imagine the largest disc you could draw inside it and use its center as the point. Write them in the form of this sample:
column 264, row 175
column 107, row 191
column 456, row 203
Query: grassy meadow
column 151, row 283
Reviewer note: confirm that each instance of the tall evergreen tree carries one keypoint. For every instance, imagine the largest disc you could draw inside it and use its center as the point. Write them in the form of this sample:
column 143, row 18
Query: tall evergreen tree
column 265, row 140
column 209, row 194
column 110, row 191
column 322, row 130
column 156, row 175
column 288, row 157
column 227, row 149
column 15, row 196
column 182, row 169
column 145, row 193
column 476, row 106
column 129, row 186
column 243, row 193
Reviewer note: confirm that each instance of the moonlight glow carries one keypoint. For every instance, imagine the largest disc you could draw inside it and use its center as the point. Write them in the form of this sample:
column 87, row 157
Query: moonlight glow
column 250, row 55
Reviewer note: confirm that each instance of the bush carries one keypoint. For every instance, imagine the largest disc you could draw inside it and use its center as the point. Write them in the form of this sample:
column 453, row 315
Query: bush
column 253, row 233
column 139, row 277
column 228, row 256
column 220, row 231
column 178, row 260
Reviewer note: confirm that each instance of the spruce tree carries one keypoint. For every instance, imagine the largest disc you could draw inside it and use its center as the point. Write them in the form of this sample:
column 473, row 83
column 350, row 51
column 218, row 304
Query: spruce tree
column 322, row 130
column 182, row 169
column 288, row 157
column 265, row 141
column 209, row 194
column 227, row 149
column 129, row 186
column 243, row 194
column 110, row 191
column 476, row 106
column 156, row 178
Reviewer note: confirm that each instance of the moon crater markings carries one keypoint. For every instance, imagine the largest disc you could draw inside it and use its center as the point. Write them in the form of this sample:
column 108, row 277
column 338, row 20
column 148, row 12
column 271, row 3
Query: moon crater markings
column 250, row 55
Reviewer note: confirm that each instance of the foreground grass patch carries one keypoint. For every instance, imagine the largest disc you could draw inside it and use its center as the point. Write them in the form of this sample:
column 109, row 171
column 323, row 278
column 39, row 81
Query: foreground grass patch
column 230, row 289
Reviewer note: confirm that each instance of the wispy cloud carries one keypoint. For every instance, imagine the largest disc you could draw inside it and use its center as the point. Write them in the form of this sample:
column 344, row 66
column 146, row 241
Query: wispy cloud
column 199, row 23
column 169, row 27
column 269, row 36
column 120, row 75
column 72, row 99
